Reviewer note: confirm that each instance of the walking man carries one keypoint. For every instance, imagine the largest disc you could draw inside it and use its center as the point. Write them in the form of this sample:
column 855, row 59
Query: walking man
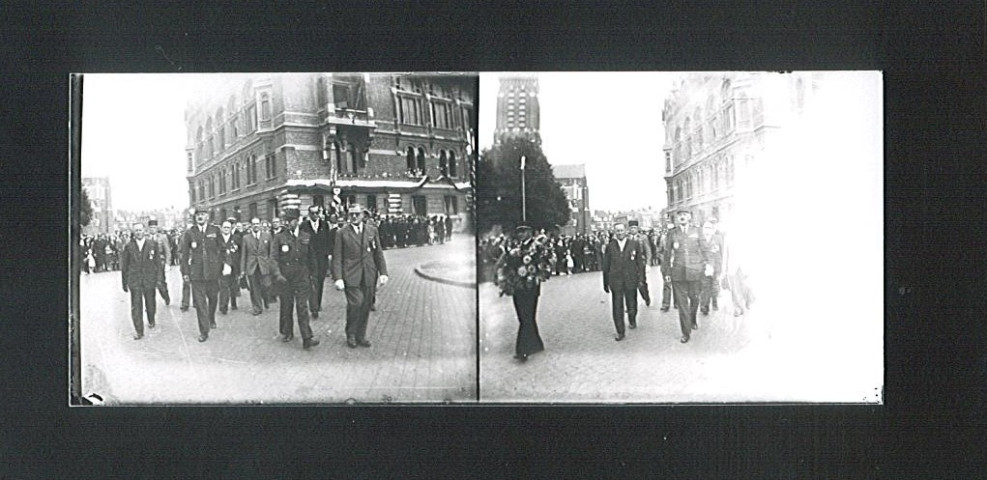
column 357, row 264
column 642, row 240
column 255, row 264
column 164, row 246
column 205, row 261
column 321, row 246
column 666, row 287
column 623, row 269
column 292, row 262
column 686, row 262
column 140, row 264
column 228, row 282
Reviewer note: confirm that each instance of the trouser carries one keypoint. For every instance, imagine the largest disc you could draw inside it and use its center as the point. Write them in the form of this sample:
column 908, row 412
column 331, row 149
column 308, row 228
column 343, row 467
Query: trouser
column 358, row 311
column 708, row 293
column 666, row 294
column 227, row 292
column 163, row 285
column 204, row 296
column 318, row 283
column 526, row 307
column 294, row 295
column 644, row 290
column 142, row 299
column 620, row 298
column 186, row 292
column 258, row 292
column 687, row 300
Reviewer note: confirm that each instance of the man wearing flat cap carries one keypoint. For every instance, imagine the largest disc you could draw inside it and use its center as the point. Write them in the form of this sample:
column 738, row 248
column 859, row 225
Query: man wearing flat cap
column 687, row 260
column 292, row 261
column 357, row 266
column 204, row 260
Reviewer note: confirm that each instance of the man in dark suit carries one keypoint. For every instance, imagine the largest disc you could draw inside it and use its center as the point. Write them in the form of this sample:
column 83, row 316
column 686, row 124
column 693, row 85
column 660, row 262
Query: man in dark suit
column 156, row 234
column 228, row 283
column 686, row 262
column 205, row 260
column 292, row 261
column 642, row 241
column 321, row 247
column 623, row 269
column 357, row 264
column 255, row 264
column 140, row 264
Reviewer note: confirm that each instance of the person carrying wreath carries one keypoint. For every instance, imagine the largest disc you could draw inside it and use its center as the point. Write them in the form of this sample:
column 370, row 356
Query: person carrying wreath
column 520, row 271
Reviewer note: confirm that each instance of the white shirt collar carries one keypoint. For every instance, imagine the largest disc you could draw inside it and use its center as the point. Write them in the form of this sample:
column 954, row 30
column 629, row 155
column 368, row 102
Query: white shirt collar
column 140, row 243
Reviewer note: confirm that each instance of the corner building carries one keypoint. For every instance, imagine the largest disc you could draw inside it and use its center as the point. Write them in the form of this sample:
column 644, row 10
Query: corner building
column 394, row 143
column 717, row 126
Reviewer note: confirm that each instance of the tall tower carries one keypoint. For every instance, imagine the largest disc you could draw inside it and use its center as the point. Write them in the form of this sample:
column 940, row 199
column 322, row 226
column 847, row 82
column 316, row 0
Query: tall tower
column 518, row 112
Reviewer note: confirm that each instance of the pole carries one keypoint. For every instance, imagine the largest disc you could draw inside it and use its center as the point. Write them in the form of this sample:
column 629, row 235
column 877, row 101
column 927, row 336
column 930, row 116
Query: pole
column 524, row 202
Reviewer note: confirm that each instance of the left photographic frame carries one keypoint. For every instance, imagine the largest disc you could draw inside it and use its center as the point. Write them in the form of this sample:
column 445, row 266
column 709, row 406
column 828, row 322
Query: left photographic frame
column 272, row 238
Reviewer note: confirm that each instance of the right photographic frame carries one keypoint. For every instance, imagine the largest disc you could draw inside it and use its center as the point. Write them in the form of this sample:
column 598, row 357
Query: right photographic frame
column 680, row 237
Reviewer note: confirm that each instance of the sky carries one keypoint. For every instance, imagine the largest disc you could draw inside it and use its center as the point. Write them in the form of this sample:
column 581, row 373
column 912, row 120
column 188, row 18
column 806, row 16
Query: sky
column 610, row 121
column 133, row 131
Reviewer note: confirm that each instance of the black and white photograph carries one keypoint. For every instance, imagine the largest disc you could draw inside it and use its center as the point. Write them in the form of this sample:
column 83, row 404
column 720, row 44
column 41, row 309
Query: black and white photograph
column 276, row 238
column 681, row 237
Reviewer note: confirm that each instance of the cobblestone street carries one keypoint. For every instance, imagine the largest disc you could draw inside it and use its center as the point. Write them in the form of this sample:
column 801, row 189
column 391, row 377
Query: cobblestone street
column 423, row 334
column 754, row 357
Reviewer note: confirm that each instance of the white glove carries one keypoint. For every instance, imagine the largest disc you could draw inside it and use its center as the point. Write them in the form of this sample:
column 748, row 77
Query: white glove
column 709, row 270
column 226, row 269
column 340, row 285
column 383, row 280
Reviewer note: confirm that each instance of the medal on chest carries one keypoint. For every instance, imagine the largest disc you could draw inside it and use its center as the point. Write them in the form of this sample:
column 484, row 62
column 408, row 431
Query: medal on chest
column 675, row 245
column 284, row 248
column 195, row 245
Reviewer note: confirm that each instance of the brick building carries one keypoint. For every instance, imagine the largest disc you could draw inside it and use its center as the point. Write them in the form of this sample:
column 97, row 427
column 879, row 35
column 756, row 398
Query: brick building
column 717, row 125
column 518, row 112
column 394, row 143
column 98, row 190
column 572, row 178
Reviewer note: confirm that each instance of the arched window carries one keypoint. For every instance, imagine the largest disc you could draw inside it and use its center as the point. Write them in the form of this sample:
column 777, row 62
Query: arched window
column 452, row 164
column 727, row 97
column 443, row 163
column 221, row 133
column 265, row 107
column 411, row 159
column 699, row 129
column 234, row 118
column 421, row 161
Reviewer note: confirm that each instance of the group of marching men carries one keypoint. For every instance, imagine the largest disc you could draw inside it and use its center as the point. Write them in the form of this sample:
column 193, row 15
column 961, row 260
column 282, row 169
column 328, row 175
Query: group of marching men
column 695, row 263
column 288, row 264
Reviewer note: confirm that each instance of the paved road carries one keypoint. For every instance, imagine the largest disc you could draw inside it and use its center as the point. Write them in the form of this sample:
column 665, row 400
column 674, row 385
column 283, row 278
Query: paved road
column 423, row 334
column 766, row 355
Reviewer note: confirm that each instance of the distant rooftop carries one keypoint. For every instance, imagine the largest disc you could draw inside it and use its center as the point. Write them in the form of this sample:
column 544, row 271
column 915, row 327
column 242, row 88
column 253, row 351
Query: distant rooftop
column 570, row 171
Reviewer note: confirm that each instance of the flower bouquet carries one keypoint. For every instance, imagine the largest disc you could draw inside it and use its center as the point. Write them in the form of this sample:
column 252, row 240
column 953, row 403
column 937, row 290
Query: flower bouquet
column 524, row 266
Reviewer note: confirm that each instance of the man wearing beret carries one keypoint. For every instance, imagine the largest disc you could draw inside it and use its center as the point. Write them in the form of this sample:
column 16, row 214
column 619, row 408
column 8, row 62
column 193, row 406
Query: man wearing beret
column 292, row 261
column 140, row 264
column 687, row 261
column 204, row 261
column 357, row 265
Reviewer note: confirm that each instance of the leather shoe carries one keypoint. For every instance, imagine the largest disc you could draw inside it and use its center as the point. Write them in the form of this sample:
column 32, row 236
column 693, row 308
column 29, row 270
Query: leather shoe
column 222, row 311
column 315, row 314
column 212, row 325
column 287, row 338
column 138, row 336
column 373, row 308
column 619, row 337
column 664, row 309
column 633, row 325
column 705, row 312
column 309, row 342
column 363, row 343
column 203, row 338
column 685, row 339
column 521, row 358
column 351, row 342
column 695, row 325
column 184, row 309
column 256, row 312
column 647, row 302
column 150, row 324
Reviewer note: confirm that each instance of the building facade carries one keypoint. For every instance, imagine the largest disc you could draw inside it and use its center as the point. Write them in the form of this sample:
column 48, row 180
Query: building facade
column 393, row 143
column 572, row 178
column 101, row 200
column 518, row 113
column 716, row 126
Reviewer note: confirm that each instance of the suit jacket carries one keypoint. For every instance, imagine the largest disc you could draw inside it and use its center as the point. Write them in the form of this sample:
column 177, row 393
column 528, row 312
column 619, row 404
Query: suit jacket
column 203, row 253
column 358, row 259
column 232, row 253
column 686, row 255
column 321, row 239
column 623, row 269
column 256, row 254
column 164, row 246
column 292, row 256
column 140, row 266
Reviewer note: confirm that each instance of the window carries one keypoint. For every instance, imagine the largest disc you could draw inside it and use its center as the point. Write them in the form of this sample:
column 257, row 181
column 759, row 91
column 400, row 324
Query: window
column 372, row 203
column 272, row 209
column 251, row 170
column 319, row 200
column 270, row 166
column 443, row 163
column 235, row 177
column 222, row 182
column 452, row 164
column 251, row 118
column 191, row 166
column 265, row 107
column 191, row 193
column 221, row 132
column 409, row 110
column 335, row 156
column 668, row 160
column 212, row 186
column 418, row 205
column 421, row 160
column 209, row 145
column 253, row 210
column 340, row 96
column 452, row 205
column 412, row 165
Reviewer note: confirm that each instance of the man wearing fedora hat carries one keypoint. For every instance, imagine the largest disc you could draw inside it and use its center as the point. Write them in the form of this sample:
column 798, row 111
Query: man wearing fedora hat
column 357, row 265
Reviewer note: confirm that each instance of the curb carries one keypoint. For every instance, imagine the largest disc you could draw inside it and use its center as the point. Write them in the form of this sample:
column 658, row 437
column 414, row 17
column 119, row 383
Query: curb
column 447, row 281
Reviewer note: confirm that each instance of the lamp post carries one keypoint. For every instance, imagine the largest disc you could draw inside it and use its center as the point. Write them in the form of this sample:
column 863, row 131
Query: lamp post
column 524, row 202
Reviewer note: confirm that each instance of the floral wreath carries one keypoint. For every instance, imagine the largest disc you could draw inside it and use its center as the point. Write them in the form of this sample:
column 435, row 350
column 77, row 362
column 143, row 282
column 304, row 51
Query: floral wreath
column 524, row 266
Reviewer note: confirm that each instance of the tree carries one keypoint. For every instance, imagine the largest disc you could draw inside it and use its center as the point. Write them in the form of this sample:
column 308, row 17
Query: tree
column 86, row 210
column 498, row 188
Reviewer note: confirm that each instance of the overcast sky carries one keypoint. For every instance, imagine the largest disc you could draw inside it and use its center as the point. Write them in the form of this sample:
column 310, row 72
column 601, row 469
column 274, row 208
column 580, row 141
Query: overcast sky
column 610, row 121
column 133, row 131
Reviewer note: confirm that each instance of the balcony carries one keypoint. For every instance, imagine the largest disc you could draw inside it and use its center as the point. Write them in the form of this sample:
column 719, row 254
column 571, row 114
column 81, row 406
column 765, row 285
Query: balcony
column 349, row 116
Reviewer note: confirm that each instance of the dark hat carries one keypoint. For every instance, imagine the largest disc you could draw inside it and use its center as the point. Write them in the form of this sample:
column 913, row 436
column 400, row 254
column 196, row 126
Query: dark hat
column 152, row 223
column 632, row 223
column 523, row 228
column 198, row 210
column 290, row 214
column 231, row 219
column 683, row 210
